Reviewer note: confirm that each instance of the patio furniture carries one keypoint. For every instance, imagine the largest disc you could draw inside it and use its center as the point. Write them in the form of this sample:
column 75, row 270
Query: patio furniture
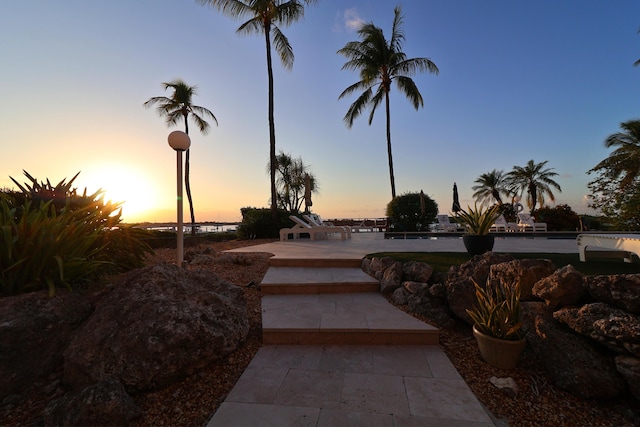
column 618, row 244
column 501, row 225
column 444, row 224
column 315, row 220
column 315, row 232
column 527, row 223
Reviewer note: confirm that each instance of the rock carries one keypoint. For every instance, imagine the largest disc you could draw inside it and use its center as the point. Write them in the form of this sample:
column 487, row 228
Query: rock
column 392, row 278
column 366, row 265
column 506, row 385
column 521, row 272
column 417, row 271
column 570, row 359
column 378, row 266
column 613, row 327
column 34, row 332
column 621, row 290
column 564, row 287
column 399, row 296
column 461, row 292
column 415, row 287
column 158, row 324
column 435, row 309
column 629, row 367
column 103, row 404
column 438, row 290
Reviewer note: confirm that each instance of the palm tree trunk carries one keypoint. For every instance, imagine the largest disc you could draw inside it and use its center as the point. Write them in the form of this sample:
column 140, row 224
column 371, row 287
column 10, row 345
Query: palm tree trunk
column 187, row 182
column 272, row 126
column 391, row 176
column 533, row 191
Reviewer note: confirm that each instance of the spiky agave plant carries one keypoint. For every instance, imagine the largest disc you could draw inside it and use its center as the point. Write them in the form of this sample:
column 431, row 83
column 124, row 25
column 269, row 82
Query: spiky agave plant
column 497, row 313
column 477, row 220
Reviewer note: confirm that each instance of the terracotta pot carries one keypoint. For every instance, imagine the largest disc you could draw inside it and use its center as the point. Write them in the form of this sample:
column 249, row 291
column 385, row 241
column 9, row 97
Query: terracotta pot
column 502, row 354
column 477, row 244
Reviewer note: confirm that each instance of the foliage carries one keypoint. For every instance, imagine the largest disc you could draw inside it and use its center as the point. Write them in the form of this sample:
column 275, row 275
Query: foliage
column 264, row 17
column 64, row 241
column 259, row 223
column 478, row 220
column 615, row 191
column 559, row 218
column 489, row 186
column 497, row 313
column 380, row 62
column 290, row 182
column 180, row 107
column 405, row 214
column 535, row 180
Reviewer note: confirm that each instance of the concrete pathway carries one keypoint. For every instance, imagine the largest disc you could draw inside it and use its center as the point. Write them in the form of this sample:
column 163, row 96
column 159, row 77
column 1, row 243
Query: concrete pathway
column 336, row 353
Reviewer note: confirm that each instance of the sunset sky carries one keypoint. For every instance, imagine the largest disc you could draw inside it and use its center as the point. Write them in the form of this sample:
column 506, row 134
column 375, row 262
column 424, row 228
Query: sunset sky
column 542, row 80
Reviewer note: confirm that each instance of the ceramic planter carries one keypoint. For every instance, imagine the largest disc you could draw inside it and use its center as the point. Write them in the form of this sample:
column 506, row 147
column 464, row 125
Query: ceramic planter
column 477, row 244
column 502, row 354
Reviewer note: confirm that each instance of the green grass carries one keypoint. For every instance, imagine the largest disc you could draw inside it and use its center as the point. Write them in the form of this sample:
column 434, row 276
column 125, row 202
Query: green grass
column 442, row 261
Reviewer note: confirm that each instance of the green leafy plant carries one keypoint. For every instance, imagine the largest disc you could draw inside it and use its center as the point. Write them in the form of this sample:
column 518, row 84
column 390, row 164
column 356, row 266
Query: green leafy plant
column 497, row 313
column 406, row 214
column 477, row 220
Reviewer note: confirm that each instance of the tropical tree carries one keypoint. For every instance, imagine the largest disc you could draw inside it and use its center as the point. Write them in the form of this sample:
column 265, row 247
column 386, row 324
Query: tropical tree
column 380, row 62
column 489, row 186
column 292, row 175
column 180, row 107
column 264, row 18
column 535, row 180
column 616, row 189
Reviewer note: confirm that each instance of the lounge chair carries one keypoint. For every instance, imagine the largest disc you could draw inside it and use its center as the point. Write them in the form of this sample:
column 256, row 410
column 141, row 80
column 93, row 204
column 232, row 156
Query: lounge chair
column 315, row 220
column 444, row 224
column 314, row 232
column 501, row 225
column 618, row 244
column 527, row 223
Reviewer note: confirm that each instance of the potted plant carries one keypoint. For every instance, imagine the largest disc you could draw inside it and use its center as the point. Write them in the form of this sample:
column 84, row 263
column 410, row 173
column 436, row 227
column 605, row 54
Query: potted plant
column 477, row 222
column 497, row 325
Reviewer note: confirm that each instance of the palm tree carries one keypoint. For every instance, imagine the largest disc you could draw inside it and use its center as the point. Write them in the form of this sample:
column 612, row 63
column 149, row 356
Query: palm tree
column 489, row 187
column 624, row 162
column 536, row 180
column 380, row 62
column 180, row 107
column 290, row 182
column 264, row 18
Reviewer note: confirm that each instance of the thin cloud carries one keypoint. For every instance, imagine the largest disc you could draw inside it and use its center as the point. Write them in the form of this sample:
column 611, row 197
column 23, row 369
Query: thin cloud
column 349, row 20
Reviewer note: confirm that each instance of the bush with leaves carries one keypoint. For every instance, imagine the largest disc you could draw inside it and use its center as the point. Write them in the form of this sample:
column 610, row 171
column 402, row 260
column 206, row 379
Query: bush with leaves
column 65, row 241
column 259, row 223
column 405, row 212
column 559, row 218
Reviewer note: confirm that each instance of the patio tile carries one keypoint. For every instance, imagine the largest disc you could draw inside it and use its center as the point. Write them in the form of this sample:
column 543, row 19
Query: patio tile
column 375, row 393
column 231, row 414
column 318, row 389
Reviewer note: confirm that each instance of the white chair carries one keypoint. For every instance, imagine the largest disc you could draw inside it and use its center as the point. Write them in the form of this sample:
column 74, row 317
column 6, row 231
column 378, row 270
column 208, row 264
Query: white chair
column 444, row 224
column 501, row 225
column 527, row 223
column 315, row 232
column 315, row 220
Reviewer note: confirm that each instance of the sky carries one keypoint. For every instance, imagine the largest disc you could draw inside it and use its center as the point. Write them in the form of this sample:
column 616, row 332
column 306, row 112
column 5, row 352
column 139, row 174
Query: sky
column 542, row 80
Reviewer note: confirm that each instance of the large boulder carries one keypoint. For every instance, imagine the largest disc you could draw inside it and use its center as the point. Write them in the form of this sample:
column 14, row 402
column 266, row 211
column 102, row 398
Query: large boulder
column 157, row 325
column 461, row 292
column 34, row 332
column 377, row 266
column 392, row 278
column 564, row 287
column 521, row 272
column 103, row 404
column 572, row 362
column 613, row 327
column 621, row 290
column 416, row 271
column 629, row 367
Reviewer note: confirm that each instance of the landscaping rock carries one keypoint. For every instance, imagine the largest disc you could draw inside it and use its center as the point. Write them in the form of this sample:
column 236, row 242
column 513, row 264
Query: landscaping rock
column 103, row 404
column 521, row 272
column 158, row 325
column 417, row 271
column 629, row 367
column 613, row 327
column 564, row 287
column 506, row 385
column 415, row 287
column 622, row 290
column 461, row 293
column 392, row 278
column 570, row 359
column 424, row 304
column 35, row 329
column 378, row 266
column 438, row 290
column 400, row 295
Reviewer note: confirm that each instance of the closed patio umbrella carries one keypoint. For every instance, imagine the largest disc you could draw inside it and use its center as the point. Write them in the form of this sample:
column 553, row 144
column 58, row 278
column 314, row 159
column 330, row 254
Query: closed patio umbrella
column 307, row 193
column 456, row 201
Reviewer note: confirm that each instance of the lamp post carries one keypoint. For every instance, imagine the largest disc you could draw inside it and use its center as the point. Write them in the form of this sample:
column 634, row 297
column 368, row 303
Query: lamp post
column 180, row 142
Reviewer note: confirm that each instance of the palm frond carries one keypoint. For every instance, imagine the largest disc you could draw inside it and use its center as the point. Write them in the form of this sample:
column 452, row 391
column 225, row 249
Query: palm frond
column 282, row 47
column 407, row 86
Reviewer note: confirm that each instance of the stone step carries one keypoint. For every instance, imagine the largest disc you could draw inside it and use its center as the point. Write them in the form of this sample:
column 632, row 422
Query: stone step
column 340, row 319
column 317, row 280
column 316, row 263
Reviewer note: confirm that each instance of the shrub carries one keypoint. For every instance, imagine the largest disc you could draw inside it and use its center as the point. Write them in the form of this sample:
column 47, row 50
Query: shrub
column 405, row 214
column 559, row 218
column 259, row 223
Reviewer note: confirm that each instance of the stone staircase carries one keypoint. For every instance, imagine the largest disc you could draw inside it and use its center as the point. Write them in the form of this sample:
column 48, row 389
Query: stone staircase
column 333, row 302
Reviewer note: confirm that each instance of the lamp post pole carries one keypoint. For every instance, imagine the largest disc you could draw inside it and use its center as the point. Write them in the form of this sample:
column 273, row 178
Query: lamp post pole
column 180, row 142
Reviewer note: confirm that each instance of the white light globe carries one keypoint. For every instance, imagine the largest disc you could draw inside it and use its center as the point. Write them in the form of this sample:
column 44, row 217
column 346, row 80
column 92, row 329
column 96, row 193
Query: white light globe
column 179, row 140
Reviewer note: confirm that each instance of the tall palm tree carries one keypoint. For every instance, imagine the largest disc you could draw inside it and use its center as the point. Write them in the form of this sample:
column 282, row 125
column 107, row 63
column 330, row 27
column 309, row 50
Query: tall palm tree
column 380, row 62
column 264, row 18
column 535, row 180
column 489, row 186
column 624, row 162
column 180, row 107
